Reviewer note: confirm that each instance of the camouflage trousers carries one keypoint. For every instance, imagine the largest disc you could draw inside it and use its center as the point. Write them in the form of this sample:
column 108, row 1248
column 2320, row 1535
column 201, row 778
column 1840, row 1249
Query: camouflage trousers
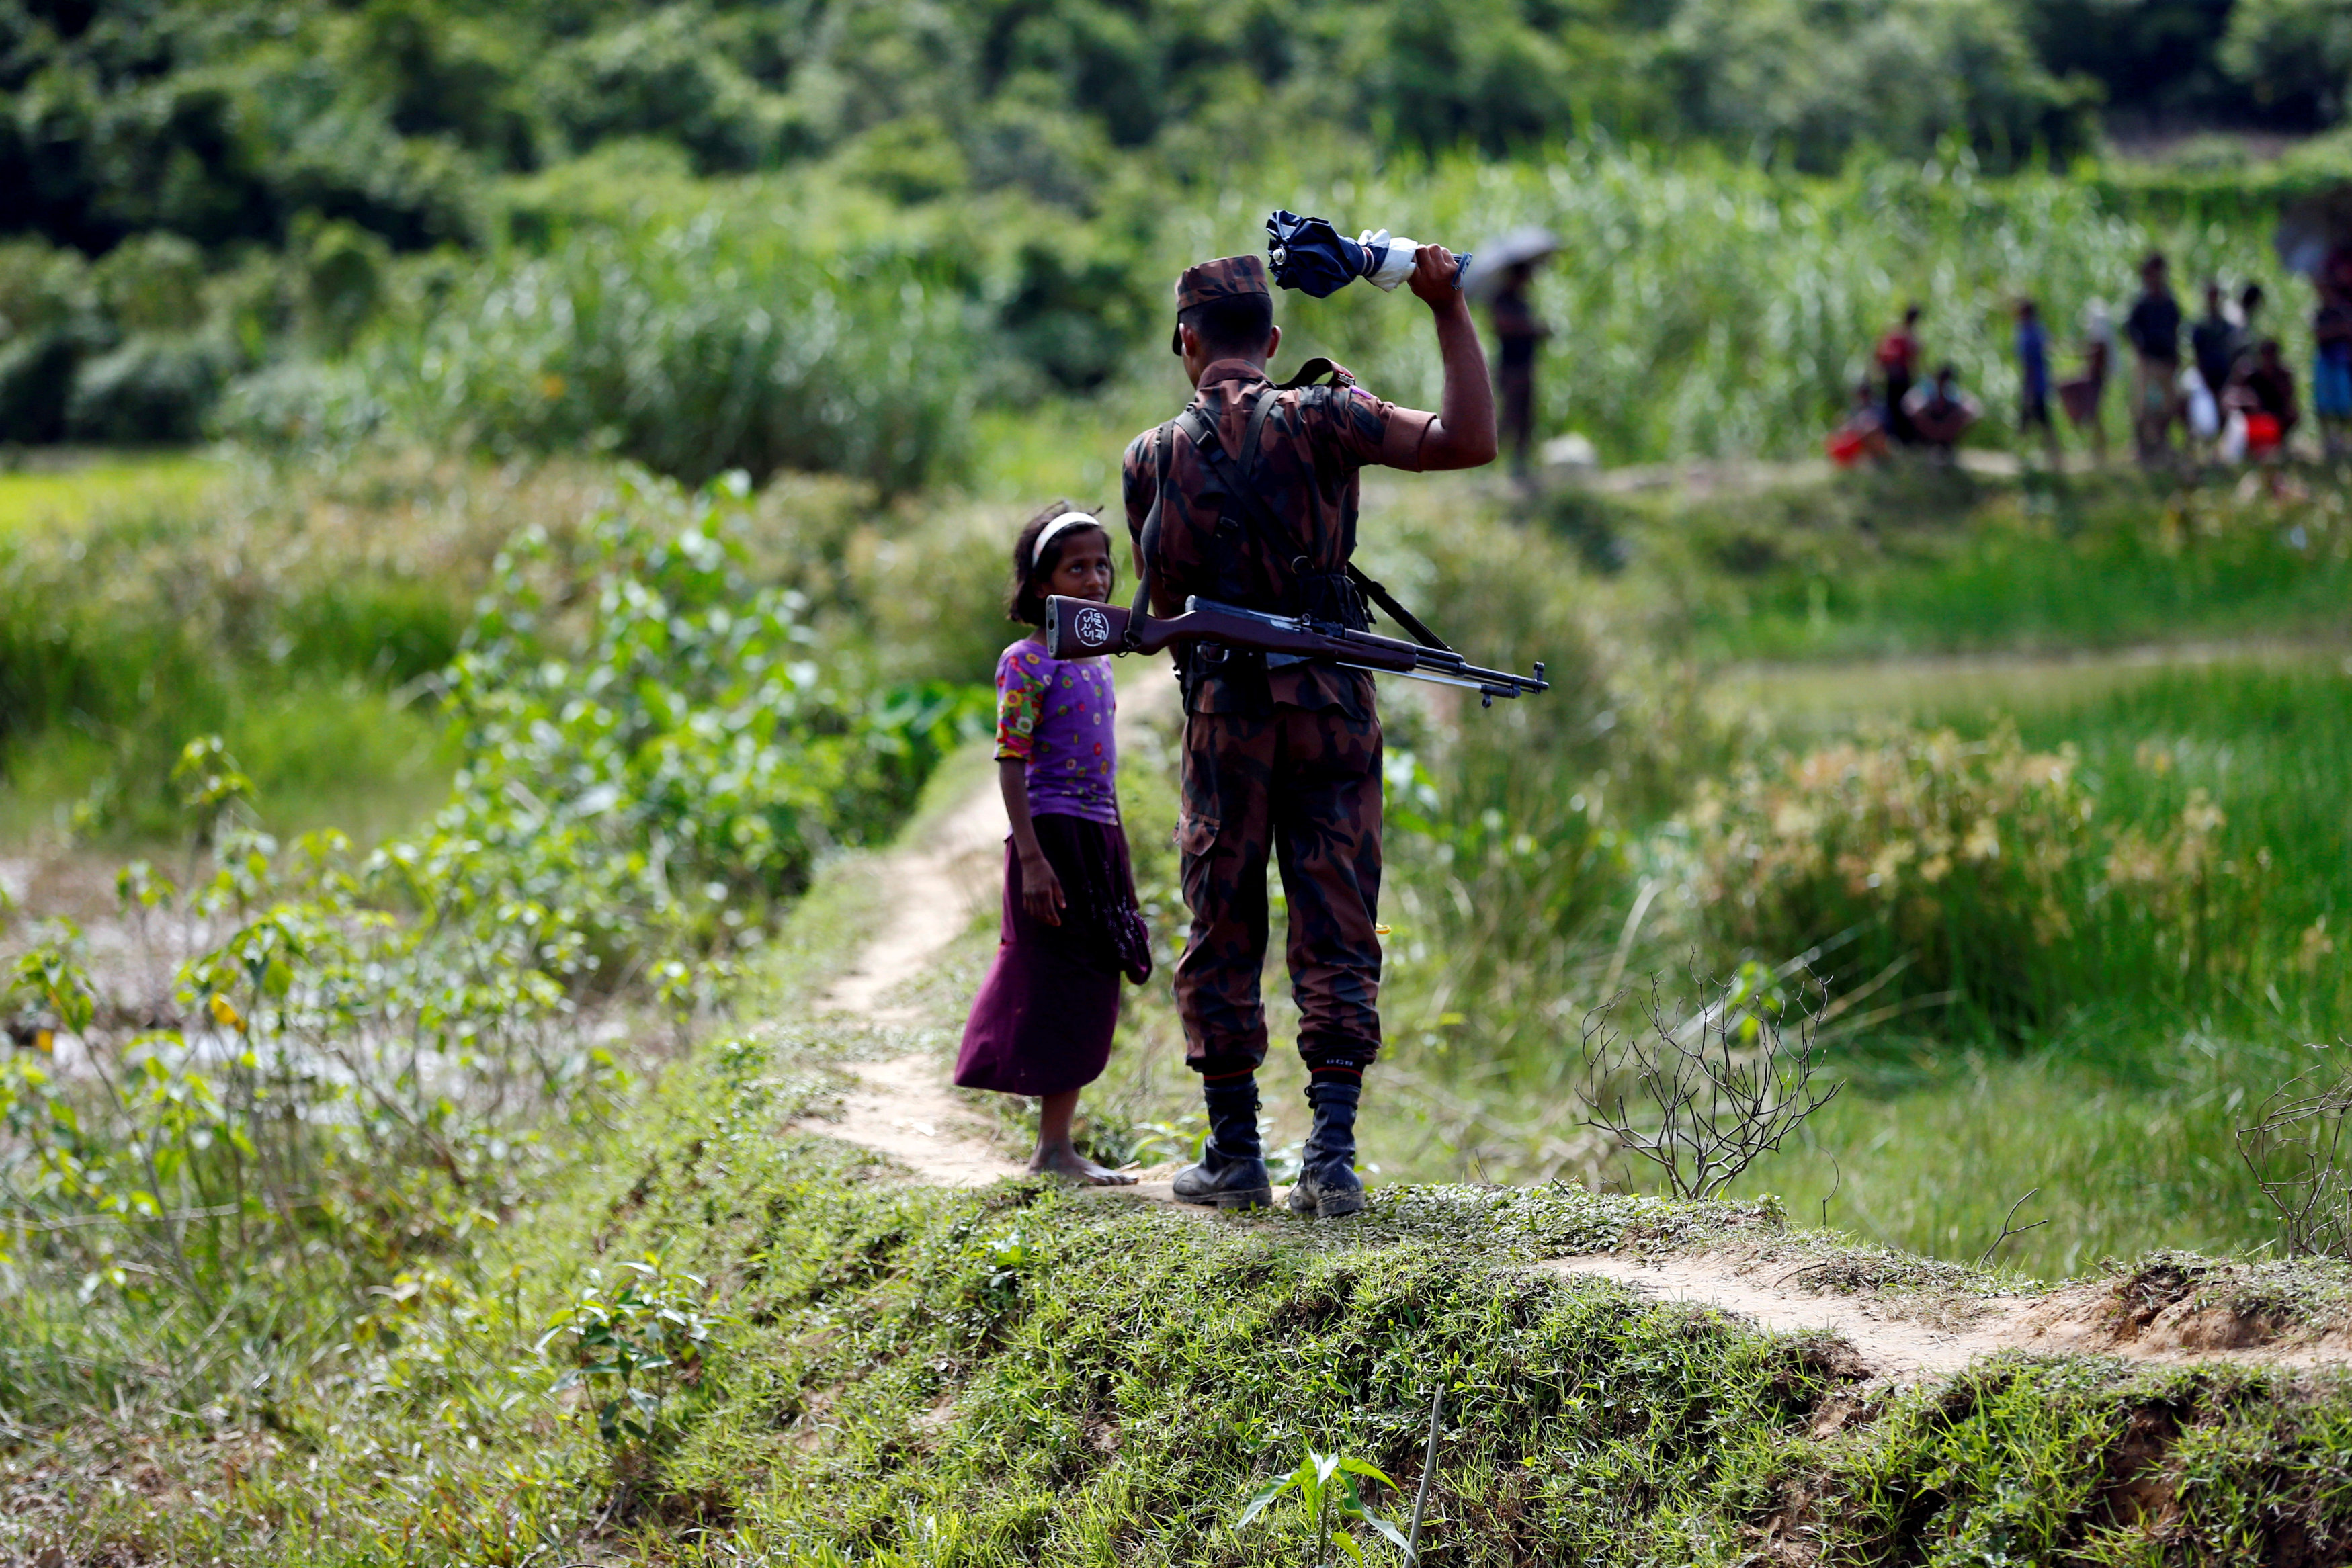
column 1306, row 788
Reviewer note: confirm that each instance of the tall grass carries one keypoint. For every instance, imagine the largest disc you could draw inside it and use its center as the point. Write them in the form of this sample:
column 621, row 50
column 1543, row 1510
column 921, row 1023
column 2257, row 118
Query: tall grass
column 730, row 341
column 797, row 321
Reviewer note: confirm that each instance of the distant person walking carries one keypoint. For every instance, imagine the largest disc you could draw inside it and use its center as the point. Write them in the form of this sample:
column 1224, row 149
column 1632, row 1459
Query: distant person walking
column 2154, row 329
column 1519, row 332
column 1898, row 367
column 2084, row 396
column 2331, row 369
column 2033, row 378
column 2217, row 342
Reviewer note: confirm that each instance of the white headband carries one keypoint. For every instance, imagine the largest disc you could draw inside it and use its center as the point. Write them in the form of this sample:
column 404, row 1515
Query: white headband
column 1066, row 521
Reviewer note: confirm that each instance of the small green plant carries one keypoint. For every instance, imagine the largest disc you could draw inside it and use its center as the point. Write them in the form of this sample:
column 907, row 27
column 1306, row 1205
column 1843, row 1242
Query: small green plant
column 1325, row 1485
column 633, row 1341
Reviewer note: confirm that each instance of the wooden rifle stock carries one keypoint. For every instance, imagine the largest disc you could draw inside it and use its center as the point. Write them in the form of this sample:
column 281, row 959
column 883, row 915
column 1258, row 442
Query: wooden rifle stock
column 1083, row 629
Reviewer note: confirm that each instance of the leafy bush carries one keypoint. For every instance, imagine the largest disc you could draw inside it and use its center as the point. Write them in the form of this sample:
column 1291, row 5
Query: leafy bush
column 1932, row 871
column 656, row 75
column 338, row 1065
column 152, row 388
column 687, row 752
column 2293, row 57
column 49, row 317
column 1901, row 77
column 299, row 406
column 700, row 349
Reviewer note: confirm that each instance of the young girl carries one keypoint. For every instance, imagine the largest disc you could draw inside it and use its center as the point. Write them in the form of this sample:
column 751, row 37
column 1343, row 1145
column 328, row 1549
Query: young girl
column 1043, row 1021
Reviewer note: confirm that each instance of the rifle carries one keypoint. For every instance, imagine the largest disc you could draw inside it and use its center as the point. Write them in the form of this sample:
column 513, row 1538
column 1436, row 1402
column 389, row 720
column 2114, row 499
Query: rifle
column 1082, row 629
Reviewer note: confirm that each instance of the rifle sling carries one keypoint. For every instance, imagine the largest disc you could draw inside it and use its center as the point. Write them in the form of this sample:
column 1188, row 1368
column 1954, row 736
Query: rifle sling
column 1236, row 482
column 1149, row 539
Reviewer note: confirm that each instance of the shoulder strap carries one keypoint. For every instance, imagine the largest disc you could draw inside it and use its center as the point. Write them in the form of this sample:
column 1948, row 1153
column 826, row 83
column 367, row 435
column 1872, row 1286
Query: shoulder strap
column 1203, row 431
column 1149, row 539
column 1198, row 426
column 1312, row 372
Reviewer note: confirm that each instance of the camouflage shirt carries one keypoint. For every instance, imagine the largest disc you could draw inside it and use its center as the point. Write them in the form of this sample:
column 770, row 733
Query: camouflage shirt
column 1314, row 444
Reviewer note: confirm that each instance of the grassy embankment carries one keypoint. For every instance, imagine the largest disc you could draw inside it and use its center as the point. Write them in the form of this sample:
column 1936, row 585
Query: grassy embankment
column 887, row 1375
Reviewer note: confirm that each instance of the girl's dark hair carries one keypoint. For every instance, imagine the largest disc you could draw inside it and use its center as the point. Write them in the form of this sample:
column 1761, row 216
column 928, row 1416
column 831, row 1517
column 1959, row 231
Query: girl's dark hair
column 1024, row 602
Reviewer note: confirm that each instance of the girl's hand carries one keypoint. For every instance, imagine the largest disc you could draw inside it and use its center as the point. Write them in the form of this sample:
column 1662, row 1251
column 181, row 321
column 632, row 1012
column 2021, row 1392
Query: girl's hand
column 1041, row 890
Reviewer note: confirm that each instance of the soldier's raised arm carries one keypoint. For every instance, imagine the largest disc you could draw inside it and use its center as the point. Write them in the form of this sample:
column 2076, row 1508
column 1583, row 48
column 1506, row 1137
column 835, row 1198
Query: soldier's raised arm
column 1461, row 435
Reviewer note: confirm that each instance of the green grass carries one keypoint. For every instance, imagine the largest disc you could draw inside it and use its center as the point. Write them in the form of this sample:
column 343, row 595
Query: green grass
column 2125, row 1116
column 1030, row 1375
column 321, row 754
column 1886, row 566
column 66, row 495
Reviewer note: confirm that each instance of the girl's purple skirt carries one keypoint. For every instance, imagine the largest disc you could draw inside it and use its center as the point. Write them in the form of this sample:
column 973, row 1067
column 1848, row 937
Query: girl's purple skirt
column 1043, row 1021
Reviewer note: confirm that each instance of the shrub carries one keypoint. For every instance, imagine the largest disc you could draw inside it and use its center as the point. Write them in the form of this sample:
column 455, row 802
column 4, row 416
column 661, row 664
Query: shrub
column 1930, row 871
column 153, row 388
column 2293, row 57
column 49, row 317
column 656, row 75
column 1961, row 861
column 300, row 403
column 700, row 347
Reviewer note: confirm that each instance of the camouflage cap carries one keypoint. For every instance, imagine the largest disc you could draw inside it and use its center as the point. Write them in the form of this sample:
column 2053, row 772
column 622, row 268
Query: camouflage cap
column 1227, row 277
column 1223, row 279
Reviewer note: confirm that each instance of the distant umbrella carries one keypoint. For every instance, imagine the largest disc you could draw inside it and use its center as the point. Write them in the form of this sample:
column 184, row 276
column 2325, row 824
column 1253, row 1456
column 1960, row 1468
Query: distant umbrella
column 2312, row 228
column 1518, row 246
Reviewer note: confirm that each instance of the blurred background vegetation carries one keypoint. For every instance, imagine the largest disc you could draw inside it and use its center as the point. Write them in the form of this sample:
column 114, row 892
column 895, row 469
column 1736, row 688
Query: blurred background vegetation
column 673, row 233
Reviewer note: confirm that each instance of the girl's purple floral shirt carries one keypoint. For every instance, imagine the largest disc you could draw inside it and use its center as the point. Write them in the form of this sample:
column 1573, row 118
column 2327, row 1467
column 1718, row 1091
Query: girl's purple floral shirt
column 1057, row 716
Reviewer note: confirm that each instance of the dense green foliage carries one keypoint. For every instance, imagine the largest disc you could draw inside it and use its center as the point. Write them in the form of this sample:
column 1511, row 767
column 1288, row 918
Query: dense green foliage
column 228, row 122
column 634, row 792
column 714, row 236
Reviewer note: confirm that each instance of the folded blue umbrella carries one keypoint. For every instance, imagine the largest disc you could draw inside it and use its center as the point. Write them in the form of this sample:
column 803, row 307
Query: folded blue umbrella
column 1310, row 256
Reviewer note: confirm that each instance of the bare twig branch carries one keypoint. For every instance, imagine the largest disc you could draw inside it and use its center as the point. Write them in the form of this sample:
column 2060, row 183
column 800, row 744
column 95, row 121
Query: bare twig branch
column 2005, row 1232
column 2295, row 1153
column 1717, row 1091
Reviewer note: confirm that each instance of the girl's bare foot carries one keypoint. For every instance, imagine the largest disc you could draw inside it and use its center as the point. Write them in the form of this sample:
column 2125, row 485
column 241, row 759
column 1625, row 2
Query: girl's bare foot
column 1065, row 1161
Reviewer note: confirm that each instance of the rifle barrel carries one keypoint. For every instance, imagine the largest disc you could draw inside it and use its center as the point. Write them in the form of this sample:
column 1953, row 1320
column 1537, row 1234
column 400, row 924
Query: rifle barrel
column 1076, row 628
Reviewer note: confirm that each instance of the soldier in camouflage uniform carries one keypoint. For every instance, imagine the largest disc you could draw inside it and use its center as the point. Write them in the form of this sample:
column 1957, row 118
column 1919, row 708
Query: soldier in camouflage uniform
column 1255, row 489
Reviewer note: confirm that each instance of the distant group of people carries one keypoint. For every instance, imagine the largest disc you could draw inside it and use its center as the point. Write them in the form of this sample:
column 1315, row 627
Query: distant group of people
column 1902, row 410
column 2233, row 395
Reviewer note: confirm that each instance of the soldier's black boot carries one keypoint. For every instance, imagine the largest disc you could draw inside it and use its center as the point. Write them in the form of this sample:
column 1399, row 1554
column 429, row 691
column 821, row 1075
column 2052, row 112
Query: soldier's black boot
column 1232, row 1172
column 1328, row 1185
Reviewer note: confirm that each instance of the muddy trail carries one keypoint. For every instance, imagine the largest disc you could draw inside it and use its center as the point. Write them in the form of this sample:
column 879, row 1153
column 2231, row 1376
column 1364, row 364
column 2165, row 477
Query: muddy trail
column 904, row 1109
